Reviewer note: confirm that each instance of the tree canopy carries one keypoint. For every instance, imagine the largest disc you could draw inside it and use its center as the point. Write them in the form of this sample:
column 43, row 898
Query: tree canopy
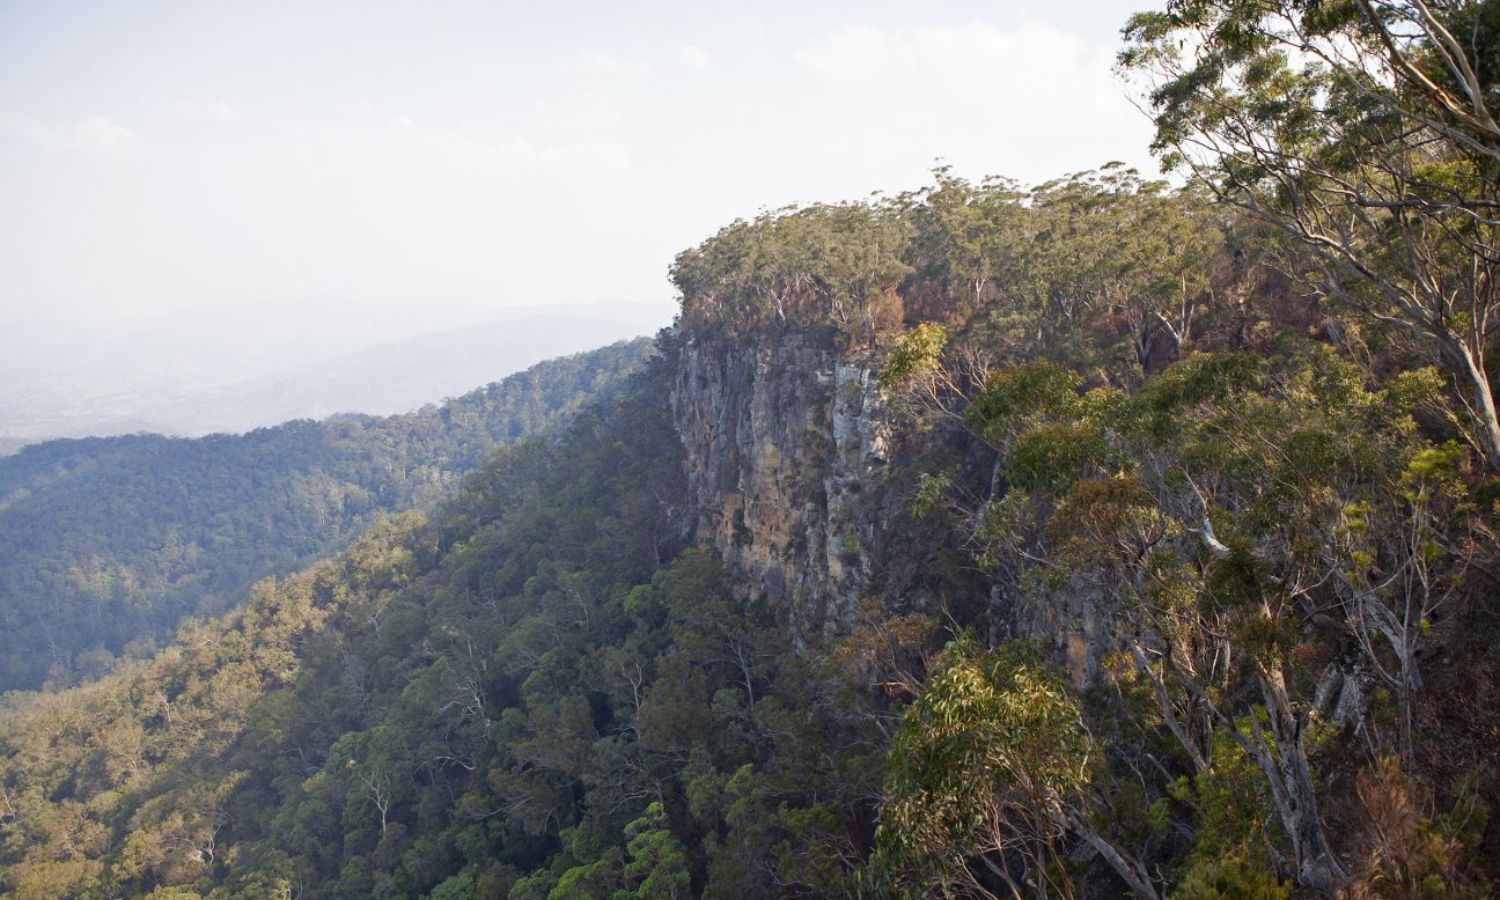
column 106, row 544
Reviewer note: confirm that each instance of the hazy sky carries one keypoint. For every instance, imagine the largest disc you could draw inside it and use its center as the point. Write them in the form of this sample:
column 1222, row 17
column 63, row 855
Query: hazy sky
column 373, row 159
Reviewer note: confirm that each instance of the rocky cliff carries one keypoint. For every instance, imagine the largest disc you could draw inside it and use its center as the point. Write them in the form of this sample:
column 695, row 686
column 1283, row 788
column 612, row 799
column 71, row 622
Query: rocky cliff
column 800, row 478
column 792, row 459
column 784, row 442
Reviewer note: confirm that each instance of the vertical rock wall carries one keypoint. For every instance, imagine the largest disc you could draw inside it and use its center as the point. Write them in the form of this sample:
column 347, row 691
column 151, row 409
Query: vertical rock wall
column 790, row 471
column 784, row 441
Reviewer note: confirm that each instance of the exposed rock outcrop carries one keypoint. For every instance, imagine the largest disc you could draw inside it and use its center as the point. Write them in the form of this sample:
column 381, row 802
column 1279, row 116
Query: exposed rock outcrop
column 789, row 459
column 785, row 442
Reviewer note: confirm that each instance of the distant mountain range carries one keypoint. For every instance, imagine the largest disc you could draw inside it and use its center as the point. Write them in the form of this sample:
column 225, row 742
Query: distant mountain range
column 170, row 379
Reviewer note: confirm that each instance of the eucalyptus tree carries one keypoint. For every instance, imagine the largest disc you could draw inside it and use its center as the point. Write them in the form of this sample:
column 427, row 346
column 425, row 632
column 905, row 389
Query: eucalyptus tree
column 834, row 264
column 989, row 782
column 1119, row 253
column 1365, row 130
column 970, row 237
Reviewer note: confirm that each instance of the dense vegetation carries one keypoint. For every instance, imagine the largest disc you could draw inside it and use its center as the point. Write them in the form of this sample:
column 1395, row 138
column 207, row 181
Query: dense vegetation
column 1221, row 473
column 547, row 690
column 11, row 445
column 107, row 543
column 540, row 692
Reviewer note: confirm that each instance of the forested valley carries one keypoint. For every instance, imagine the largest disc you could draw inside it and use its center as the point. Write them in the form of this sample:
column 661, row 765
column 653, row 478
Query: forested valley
column 106, row 544
column 1104, row 537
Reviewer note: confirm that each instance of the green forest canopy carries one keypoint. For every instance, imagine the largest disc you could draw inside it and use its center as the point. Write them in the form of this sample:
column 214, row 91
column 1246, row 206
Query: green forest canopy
column 1223, row 479
column 546, row 690
column 106, row 544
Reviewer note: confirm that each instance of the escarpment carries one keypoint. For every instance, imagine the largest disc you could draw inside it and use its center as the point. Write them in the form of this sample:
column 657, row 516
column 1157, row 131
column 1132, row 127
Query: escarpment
column 799, row 475
column 893, row 572
column 786, row 447
column 802, row 477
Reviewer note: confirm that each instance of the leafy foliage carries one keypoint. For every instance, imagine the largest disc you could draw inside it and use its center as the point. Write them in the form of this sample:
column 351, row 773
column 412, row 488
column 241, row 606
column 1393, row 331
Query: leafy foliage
column 1364, row 131
column 981, row 765
column 1191, row 628
column 540, row 692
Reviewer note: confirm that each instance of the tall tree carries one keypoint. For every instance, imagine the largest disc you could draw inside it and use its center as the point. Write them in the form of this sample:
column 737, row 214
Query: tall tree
column 1364, row 129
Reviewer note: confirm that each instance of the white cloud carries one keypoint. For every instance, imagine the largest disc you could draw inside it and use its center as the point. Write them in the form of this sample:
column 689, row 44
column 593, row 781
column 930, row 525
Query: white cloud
column 692, row 57
column 977, row 56
column 1042, row 96
column 607, row 66
column 217, row 109
column 98, row 134
column 852, row 54
column 92, row 134
column 445, row 147
column 589, row 112
column 423, row 147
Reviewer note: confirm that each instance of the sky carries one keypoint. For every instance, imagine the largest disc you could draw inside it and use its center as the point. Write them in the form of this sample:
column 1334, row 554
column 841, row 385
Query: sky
column 427, row 164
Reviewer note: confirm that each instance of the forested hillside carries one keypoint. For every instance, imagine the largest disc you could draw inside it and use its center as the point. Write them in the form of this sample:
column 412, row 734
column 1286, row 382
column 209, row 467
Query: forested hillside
column 1094, row 616
column 1093, row 539
column 107, row 543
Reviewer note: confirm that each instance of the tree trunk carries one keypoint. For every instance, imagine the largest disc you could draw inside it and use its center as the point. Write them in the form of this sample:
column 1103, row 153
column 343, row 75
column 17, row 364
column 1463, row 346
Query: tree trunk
column 1129, row 869
column 1158, row 344
column 1317, row 867
column 1481, row 397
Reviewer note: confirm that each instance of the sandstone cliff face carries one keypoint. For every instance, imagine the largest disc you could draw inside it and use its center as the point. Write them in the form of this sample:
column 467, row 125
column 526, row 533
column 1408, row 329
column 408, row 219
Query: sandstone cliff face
column 789, row 454
column 786, row 444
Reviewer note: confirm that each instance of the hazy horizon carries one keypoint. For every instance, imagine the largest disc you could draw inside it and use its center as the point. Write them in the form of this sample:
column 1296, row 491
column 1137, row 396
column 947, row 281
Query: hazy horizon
column 303, row 180
column 139, row 379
